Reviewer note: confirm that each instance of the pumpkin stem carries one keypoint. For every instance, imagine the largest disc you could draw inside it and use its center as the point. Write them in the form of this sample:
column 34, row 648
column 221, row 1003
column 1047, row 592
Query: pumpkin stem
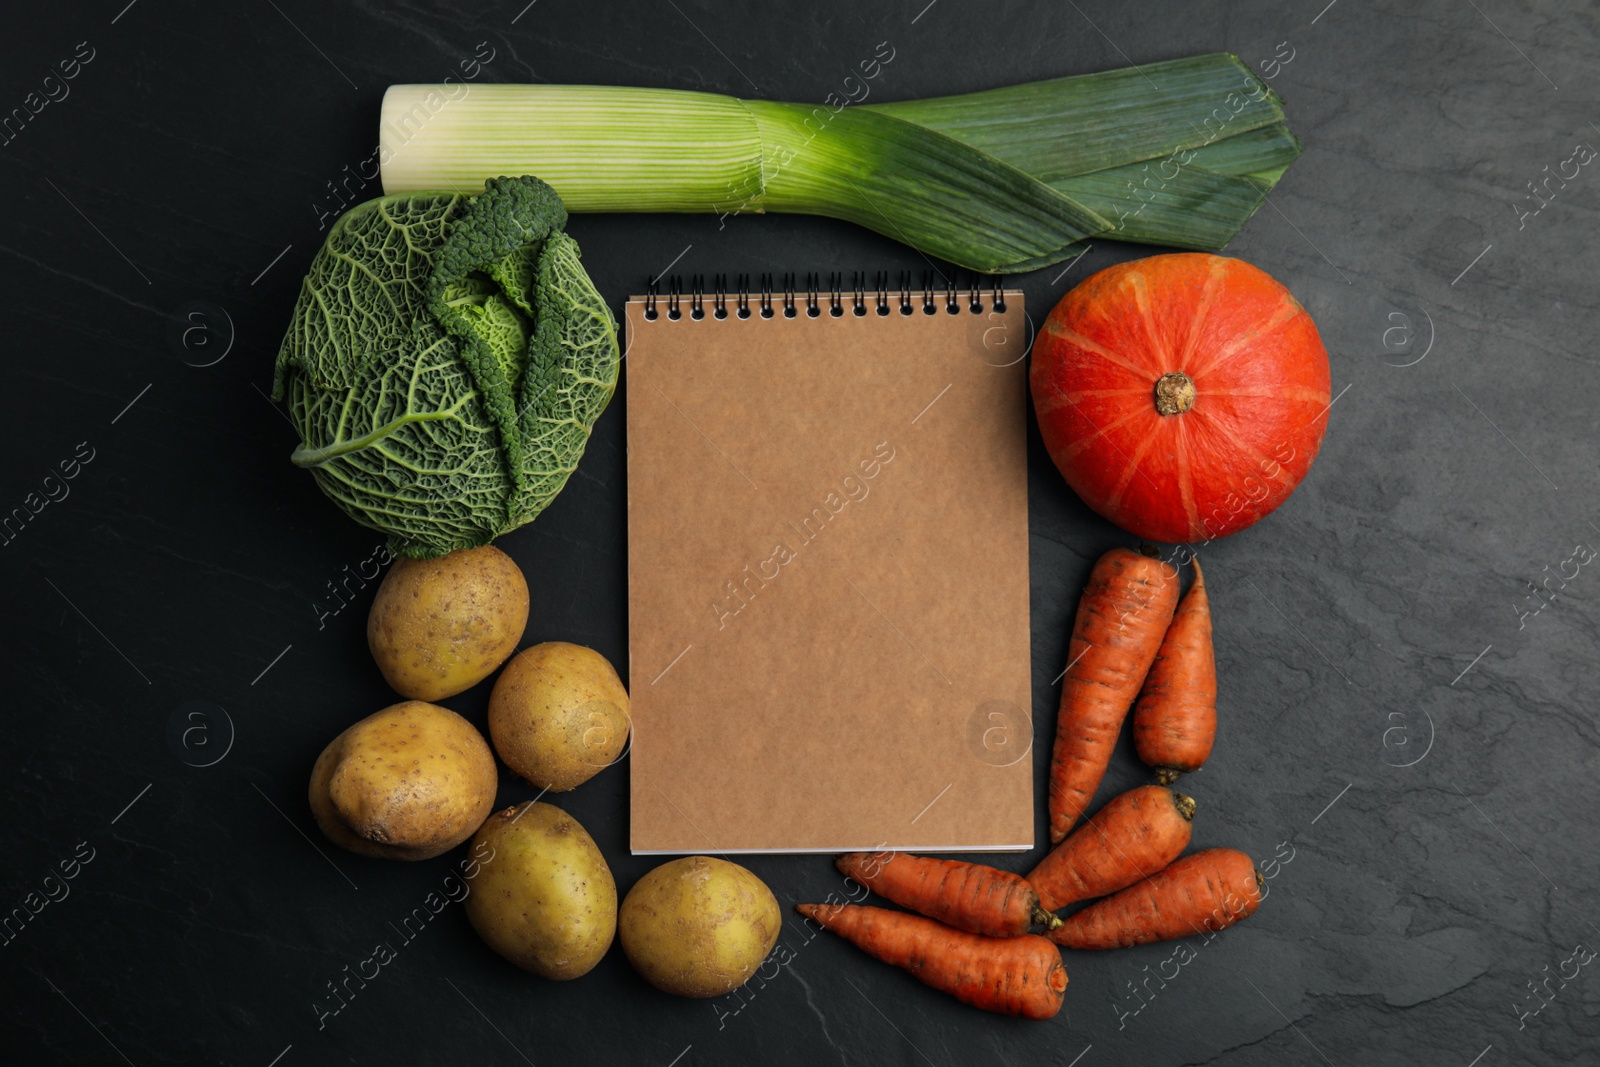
column 1174, row 393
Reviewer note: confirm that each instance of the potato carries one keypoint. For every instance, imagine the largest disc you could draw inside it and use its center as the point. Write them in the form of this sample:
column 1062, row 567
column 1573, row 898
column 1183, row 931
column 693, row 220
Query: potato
column 558, row 715
column 699, row 927
column 438, row 627
column 543, row 897
column 406, row 783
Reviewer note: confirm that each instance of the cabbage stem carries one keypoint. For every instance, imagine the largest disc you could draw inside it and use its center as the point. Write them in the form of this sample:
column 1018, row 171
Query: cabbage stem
column 304, row 456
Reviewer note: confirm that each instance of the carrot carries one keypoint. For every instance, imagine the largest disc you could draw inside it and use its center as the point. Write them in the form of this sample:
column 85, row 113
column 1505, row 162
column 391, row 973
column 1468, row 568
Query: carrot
column 969, row 896
column 1122, row 617
column 1209, row 890
column 1011, row 975
column 1132, row 837
column 1175, row 717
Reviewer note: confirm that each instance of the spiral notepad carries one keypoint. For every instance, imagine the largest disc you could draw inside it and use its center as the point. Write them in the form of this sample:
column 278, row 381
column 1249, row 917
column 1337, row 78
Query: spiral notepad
column 828, row 568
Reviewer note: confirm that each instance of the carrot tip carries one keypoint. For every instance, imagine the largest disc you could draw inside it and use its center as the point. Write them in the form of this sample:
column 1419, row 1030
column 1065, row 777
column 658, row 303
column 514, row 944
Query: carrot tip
column 1044, row 918
column 1167, row 775
column 1185, row 805
column 1058, row 980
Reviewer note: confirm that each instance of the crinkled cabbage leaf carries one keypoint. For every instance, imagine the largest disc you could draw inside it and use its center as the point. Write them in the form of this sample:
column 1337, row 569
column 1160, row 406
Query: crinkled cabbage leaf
column 447, row 359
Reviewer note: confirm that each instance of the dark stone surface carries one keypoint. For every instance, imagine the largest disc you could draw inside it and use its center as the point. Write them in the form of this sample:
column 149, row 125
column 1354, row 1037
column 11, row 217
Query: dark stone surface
column 188, row 164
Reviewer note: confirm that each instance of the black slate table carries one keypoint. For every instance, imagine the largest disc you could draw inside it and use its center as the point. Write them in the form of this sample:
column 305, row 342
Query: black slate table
column 1409, row 737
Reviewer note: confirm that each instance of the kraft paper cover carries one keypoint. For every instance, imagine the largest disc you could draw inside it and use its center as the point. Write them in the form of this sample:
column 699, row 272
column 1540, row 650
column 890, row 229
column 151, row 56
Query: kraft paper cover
column 828, row 579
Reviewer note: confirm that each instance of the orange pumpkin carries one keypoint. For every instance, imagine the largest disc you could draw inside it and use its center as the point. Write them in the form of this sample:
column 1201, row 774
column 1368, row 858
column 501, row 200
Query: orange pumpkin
column 1183, row 397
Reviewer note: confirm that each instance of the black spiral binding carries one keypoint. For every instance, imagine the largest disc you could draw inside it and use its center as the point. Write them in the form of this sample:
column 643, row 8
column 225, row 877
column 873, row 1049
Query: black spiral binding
column 858, row 300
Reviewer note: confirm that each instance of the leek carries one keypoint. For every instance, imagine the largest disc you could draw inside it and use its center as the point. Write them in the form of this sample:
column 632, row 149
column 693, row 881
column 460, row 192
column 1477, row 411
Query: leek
column 1177, row 153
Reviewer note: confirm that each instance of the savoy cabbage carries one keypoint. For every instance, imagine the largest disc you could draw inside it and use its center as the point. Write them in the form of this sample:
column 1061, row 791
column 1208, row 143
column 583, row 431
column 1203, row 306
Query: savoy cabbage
column 447, row 358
